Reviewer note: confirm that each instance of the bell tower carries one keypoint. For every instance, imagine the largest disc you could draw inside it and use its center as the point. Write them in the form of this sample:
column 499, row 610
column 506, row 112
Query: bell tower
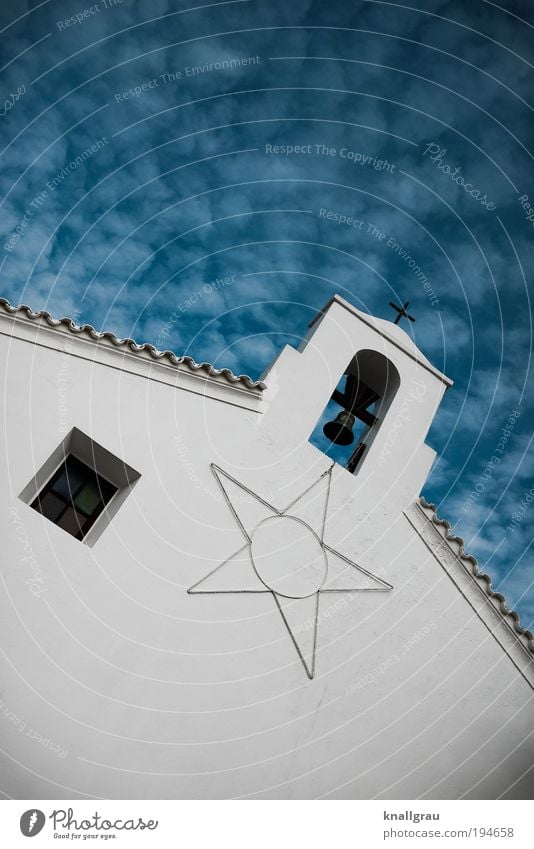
column 373, row 370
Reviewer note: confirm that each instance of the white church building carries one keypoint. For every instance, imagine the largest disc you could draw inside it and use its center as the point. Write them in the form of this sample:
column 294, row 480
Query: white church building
column 198, row 603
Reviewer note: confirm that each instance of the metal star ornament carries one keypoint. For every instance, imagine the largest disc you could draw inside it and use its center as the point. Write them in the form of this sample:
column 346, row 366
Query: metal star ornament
column 284, row 555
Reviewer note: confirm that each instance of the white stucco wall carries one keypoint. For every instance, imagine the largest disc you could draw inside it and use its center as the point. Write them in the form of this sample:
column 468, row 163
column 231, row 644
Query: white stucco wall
column 150, row 692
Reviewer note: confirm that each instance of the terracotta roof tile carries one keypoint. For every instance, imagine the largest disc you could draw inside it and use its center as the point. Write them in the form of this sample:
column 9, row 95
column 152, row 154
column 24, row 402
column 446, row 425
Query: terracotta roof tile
column 89, row 332
column 457, row 545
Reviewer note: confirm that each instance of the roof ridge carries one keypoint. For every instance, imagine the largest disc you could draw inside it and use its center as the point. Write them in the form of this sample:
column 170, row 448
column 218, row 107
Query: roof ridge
column 131, row 344
column 483, row 578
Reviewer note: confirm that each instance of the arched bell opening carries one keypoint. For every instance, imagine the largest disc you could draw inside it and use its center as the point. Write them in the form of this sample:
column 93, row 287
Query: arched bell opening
column 356, row 409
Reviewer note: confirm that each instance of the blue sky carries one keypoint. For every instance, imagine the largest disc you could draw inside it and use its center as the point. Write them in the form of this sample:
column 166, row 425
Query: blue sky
column 145, row 154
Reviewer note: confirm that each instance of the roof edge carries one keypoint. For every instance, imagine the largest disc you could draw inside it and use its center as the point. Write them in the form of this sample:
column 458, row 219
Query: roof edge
column 26, row 313
column 483, row 579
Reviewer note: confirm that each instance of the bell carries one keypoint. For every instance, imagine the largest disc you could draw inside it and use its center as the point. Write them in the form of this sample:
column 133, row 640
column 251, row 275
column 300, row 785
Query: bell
column 340, row 430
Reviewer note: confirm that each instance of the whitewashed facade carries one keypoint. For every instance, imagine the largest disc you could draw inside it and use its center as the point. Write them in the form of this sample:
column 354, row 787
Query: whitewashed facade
column 119, row 683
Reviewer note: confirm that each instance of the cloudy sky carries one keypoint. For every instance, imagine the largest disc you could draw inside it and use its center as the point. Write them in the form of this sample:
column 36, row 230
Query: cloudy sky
column 149, row 148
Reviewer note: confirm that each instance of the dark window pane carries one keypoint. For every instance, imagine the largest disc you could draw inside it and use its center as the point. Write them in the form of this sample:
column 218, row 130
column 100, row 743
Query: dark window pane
column 61, row 486
column 74, row 497
column 107, row 490
column 72, row 522
column 49, row 505
column 88, row 498
column 71, row 478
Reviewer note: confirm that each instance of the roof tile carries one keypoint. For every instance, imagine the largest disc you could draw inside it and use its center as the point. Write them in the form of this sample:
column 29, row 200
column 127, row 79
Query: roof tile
column 97, row 336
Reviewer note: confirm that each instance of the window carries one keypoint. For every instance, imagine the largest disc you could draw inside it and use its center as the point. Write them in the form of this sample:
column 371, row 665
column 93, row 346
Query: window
column 80, row 487
column 74, row 497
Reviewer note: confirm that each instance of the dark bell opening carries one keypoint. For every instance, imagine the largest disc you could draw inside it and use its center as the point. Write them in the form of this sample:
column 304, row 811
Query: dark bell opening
column 363, row 397
column 355, row 401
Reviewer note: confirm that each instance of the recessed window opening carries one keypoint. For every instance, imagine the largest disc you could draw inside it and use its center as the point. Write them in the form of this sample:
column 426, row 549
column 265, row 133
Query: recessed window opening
column 80, row 487
column 357, row 407
column 74, row 497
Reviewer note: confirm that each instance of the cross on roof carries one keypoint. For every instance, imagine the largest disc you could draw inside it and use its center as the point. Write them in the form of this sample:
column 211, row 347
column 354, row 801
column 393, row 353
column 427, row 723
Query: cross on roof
column 401, row 311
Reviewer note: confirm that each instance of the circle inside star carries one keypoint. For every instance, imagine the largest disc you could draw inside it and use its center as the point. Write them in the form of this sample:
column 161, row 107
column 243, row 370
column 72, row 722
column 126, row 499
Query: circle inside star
column 288, row 557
